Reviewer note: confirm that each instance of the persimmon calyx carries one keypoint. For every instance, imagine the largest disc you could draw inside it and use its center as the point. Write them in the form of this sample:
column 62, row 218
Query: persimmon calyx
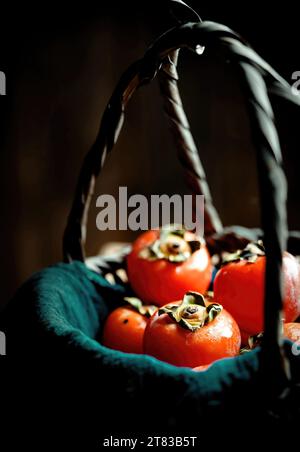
column 250, row 253
column 193, row 312
column 144, row 309
column 254, row 341
column 174, row 244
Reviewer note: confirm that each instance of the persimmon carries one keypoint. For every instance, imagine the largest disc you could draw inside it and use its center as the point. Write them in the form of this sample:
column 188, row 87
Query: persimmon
column 239, row 287
column 164, row 264
column 124, row 327
column 192, row 332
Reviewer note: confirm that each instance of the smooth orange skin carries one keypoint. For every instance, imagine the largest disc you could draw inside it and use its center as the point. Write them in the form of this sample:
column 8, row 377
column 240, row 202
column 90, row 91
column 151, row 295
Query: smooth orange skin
column 161, row 281
column 124, row 330
column 292, row 331
column 239, row 287
column 168, row 341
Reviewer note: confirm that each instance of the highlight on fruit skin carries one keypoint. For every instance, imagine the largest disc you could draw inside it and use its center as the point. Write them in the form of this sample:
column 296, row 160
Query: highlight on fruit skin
column 192, row 332
column 202, row 368
column 164, row 264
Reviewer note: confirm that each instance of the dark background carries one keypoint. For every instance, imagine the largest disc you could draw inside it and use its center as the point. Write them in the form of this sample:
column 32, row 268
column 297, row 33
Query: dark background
column 62, row 63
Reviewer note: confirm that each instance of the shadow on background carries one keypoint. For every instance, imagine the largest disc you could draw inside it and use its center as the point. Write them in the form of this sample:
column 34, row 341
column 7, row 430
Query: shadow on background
column 61, row 67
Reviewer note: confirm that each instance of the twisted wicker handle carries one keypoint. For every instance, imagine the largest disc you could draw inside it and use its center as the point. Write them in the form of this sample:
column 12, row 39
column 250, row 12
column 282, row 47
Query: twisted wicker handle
column 187, row 150
column 188, row 155
column 257, row 78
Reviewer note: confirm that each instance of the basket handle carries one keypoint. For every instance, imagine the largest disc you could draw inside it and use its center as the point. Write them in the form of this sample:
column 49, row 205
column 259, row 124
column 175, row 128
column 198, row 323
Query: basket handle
column 257, row 78
column 188, row 154
column 138, row 74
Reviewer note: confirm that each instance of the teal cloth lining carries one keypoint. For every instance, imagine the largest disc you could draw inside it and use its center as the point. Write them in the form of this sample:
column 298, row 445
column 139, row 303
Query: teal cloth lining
column 58, row 313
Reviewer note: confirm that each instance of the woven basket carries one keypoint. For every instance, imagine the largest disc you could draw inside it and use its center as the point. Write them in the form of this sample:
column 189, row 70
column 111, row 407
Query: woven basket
column 66, row 305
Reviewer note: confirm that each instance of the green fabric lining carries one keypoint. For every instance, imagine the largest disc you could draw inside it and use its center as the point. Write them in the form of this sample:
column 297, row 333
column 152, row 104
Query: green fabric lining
column 58, row 314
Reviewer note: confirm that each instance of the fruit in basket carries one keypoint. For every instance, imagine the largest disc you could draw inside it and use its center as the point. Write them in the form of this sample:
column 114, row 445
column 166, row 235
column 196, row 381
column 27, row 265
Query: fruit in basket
column 239, row 287
column 192, row 332
column 124, row 327
column 164, row 264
